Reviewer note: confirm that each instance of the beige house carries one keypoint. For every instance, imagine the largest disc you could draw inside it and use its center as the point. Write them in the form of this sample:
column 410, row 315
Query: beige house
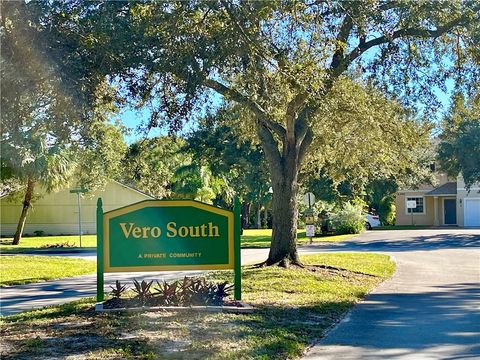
column 57, row 213
column 447, row 204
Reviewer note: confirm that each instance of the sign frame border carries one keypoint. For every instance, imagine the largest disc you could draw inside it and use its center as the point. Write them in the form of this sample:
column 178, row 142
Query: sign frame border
column 107, row 216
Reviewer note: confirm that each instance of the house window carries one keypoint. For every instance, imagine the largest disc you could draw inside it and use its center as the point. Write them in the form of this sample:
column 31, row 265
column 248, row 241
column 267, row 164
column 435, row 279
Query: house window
column 419, row 209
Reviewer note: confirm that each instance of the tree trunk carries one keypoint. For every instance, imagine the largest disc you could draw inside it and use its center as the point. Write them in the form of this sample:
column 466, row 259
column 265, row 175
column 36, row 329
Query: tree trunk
column 284, row 158
column 265, row 217
column 259, row 216
column 245, row 215
column 23, row 216
column 283, row 250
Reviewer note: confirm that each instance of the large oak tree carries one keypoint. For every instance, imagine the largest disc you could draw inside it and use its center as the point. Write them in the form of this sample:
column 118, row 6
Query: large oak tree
column 279, row 60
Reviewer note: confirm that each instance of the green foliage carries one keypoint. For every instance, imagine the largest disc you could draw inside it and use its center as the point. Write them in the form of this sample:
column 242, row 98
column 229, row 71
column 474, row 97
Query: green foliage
column 118, row 290
column 48, row 134
column 283, row 64
column 142, row 290
column 100, row 155
column 239, row 161
column 387, row 212
column 188, row 292
column 20, row 269
column 150, row 164
column 459, row 149
column 350, row 219
column 365, row 137
column 38, row 118
column 29, row 155
column 195, row 181
column 381, row 197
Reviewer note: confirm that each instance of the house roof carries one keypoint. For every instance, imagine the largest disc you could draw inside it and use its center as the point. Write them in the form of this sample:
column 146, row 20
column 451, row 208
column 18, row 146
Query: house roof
column 449, row 188
column 134, row 189
column 5, row 194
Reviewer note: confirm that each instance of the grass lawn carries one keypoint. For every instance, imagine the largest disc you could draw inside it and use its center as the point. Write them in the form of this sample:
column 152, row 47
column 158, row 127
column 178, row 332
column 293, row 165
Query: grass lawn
column 252, row 238
column 261, row 238
column 36, row 242
column 18, row 269
column 294, row 307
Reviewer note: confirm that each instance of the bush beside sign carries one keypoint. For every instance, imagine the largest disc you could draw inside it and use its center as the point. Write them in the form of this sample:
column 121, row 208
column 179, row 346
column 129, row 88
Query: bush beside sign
column 167, row 235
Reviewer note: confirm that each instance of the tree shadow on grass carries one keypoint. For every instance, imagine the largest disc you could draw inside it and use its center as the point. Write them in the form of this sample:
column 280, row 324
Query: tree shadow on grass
column 256, row 241
column 270, row 333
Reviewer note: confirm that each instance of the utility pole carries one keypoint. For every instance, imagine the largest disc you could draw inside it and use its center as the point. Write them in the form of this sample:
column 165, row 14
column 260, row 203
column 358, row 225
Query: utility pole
column 78, row 192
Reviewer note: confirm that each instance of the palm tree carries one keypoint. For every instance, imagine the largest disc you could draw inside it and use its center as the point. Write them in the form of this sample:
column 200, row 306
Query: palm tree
column 33, row 161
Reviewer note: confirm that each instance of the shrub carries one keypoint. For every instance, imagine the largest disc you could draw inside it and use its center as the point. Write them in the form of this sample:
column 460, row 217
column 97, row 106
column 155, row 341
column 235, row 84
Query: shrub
column 142, row 290
column 58, row 245
column 190, row 291
column 350, row 219
column 118, row 290
column 387, row 213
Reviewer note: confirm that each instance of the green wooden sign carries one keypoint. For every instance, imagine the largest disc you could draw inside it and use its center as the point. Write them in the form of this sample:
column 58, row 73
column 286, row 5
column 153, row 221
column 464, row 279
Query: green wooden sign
column 167, row 235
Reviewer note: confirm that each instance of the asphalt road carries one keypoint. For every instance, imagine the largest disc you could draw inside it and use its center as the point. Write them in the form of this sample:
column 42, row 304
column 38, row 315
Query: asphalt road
column 429, row 309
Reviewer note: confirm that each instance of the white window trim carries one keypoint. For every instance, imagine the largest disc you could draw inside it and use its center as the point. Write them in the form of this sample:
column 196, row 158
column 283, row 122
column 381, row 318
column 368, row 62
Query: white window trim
column 415, row 197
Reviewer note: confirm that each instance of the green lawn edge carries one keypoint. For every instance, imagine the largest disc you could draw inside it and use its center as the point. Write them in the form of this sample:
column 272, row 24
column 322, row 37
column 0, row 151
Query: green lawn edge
column 26, row 269
column 294, row 308
column 251, row 238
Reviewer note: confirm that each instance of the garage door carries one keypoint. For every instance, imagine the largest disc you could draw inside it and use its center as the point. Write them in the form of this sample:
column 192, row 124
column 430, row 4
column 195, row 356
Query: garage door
column 472, row 212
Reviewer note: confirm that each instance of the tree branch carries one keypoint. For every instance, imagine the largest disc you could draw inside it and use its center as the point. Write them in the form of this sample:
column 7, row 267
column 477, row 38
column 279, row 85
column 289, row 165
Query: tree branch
column 270, row 147
column 301, row 128
column 235, row 95
column 292, row 109
column 247, row 39
column 307, row 140
column 252, row 105
column 342, row 38
column 416, row 32
column 260, row 50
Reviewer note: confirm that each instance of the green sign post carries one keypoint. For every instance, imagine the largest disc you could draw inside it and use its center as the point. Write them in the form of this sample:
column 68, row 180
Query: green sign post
column 168, row 235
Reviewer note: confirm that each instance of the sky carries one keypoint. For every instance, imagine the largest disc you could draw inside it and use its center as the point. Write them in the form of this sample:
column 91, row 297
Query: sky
column 133, row 118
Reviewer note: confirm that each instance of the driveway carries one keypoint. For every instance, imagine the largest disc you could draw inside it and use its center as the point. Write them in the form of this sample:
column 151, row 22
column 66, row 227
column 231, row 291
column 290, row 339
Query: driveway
column 429, row 309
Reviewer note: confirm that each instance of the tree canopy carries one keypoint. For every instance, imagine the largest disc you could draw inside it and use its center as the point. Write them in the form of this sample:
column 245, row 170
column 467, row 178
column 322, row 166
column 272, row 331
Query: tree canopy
column 48, row 135
column 459, row 148
column 277, row 60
